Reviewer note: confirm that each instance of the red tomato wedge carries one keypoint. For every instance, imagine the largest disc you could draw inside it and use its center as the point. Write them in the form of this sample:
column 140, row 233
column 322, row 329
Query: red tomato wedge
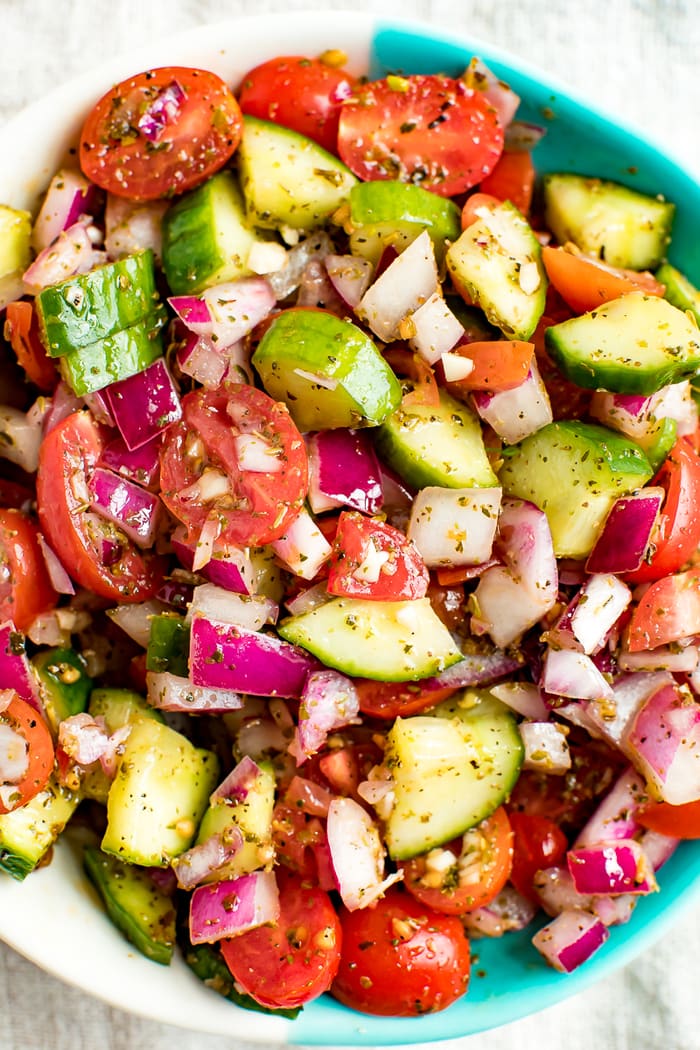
column 296, row 960
column 201, row 478
column 401, row 958
column 679, row 822
column 160, row 133
column 513, row 179
column 668, row 611
column 22, row 331
column 538, row 843
column 97, row 555
column 303, row 94
column 429, row 130
column 499, row 364
column 26, row 721
column 585, row 283
column 473, row 205
column 397, row 699
column 25, row 586
column 373, row 560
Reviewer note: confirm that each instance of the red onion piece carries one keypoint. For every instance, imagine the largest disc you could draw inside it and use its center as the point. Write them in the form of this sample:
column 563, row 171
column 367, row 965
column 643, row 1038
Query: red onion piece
column 630, row 691
column 357, row 854
column 225, row 607
column 507, row 911
column 141, row 465
column 602, row 600
column 200, row 359
column 664, row 744
column 233, row 906
column 658, row 848
column 193, row 312
column 395, row 492
column 287, row 278
column 163, row 110
column 405, row 284
column 521, row 136
column 626, row 532
column 317, row 290
column 515, row 414
column 501, row 97
column 229, row 568
column 350, row 276
column 22, row 434
column 228, row 657
column 135, row 619
column 14, row 755
column 97, row 405
column 546, row 748
column 205, row 859
column 119, row 500
column 434, row 329
column 239, row 781
column 614, row 818
column 69, row 198
column 16, row 672
column 523, row 697
column 611, row 868
column 63, row 404
column 227, row 312
column 133, row 226
column 83, row 738
column 303, row 549
column 72, row 253
column 60, row 580
column 679, row 661
column 475, row 669
column 169, row 692
column 454, row 527
column 344, row 470
column 329, row 701
column 145, row 404
column 570, row 939
column 308, row 599
column 568, row 673
column 556, row 891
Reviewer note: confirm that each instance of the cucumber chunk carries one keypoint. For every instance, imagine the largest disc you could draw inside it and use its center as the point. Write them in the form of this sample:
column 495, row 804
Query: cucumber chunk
column 252, row 816
column 679, row 290
column 614, row 223
column 450, row 769
column 141, row 911
column 158, row 796
column 121, row 707
column 287, row 179
column 95, row 366
column 326, row 370
column 391, row 641
column 394, row 213
column 27, row 833
column 64, row 683
column 574, row 472
column 633, row 345
column 436, row 446
column 497, row 261
column 15, row 252
column 169, row 645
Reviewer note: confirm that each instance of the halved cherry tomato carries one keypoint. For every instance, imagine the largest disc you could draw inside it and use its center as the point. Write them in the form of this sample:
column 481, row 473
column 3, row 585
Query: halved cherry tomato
column 677, row 535
column 447, row 601
column 483, row 859
column 189, row 138
column 668, row 611
column 294, row 961
column 513, row 179
column 586, row 283
column 200, row 477
column 26, row 721
column 447, row 577
column 344, row 768
column 26, row 590
column 295, row 834
column 22, row 332
column 401, row 958
column 679, row 822
column 538, row 843
column 473, row 205
column 12, row 494
column 430, row 130
column 303, row 94
column 397, row 699
column 96, row 553
column 375, row 561
column 499, row 364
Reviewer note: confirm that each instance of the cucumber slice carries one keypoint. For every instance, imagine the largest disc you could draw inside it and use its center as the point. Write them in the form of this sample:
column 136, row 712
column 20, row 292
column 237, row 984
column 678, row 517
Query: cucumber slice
column 394, row 213
column 27, row 833
column 391, row 641
column 253, row 816
column 142, row 912
column 15, row 252
column 633, row 345
column 158, row 796
column 614, row 223
column 497, row 261
column 574, row 472
column 287, row 179
column 121, row 707
column 436, row 446
column 64, row 684
column 93, row 367
column 326, row 370
column 206, row 237
column 679, row 290
column 450, row 770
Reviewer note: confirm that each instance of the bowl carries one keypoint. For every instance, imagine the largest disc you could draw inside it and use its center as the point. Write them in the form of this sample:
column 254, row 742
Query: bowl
column 56, row 906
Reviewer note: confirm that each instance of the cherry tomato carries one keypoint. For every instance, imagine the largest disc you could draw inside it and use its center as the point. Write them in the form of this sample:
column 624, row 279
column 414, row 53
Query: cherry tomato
column 294, row 961
column 26, row 590
column 538, row 843
column 12, row 494
column 22, row 331
column 295, row 834
column 668, row 611
column 483, row 858
column 397, row 699
column 160, row 133
column 23, row 718
column 373, row 560
column 429, row 130
column 677, row 534
column 586, row 283
column 401, row 958
column 303, row 94
column 96, row 553
column 448, row 602
column 473, row 205
column 200, row 477
column 679, row 822
column 344, row 768
column 499, row 364
column 513, row 179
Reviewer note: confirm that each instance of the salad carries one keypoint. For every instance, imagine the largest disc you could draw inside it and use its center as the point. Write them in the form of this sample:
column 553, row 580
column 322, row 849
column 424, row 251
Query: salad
column 349, row 524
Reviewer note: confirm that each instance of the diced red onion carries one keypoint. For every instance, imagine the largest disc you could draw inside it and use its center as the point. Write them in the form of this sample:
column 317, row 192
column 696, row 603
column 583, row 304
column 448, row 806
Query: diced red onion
column 317, row 290
column 344, row 470
column 204, row 860
column 6, row 698
column 568, row 673
column 350, row 276
column 454, row 527
column 546, row 747
column 119, row 500
column 145, row 404
column 475, row 669
column 329, row 701
column 256, row 454
column 72, row 253
column 16, row 672
column 135, row 619
column 226, row 607
column 227, row 312
column 626, row 532
column 556, row 891
column 239, row 781
column 227, row 657
column 664, row 744
column 287, row 279
column 96, row 403
column 521, row 136
column 14, row 755
column 198, row 358
column 63, row 404
column 611, row 720
column 83, row 738
column 602, row 600
column 614, row 911
column 69, row 198
column 517, row 413
column 611, row 868
column 405, row 284
column 501, row 97
column 434, row 329
column 638, row 417
column 161, row 111
column 570, row 939
column 309, row 599
column 308, row 796
column 266, row 257
column 614, row 817
column 232, row 906
column 169, row 692
column 357, row 854
column 508, row 911
column 523, row 697
column 679, row 661
column 141, row 465
column 133, row 226
column 60, row 580
column 21, row 438
column 657, row 847
column 230, row 568
column 303, row 549
column 676, row 401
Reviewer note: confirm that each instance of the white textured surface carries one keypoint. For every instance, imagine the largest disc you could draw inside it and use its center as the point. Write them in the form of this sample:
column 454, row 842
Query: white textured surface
column 638, row 58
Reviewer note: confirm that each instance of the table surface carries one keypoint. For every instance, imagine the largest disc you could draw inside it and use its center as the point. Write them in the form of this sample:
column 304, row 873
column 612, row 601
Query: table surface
column 637, row 59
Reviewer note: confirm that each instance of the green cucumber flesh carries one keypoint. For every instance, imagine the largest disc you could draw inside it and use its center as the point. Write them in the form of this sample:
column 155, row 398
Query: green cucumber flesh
column 168, row 645
column 64, row 683
column 394, row 213
column 252, row 816
column 679, row 290
column 15, row 238
column 120, row 707
column 131, row 350
column 27, row 833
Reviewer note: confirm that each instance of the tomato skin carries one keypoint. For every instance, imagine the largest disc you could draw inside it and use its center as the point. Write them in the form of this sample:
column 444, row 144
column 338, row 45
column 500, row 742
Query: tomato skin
column 403, row 576
column 513, row 179
column 668, row 611
column 303, row 94
column 260, row 505
column 448, row 602
column 193, row 145
column 678, row 533
column 538, row 843
column 68, row 454
column 397, row 699
column 294, row 961
column 496, row 860
column 28, row 592
column 585, row 283
column 401, row 959
column 474, row 203
column 294, row 834
column 678, row 822
column 22, row 331
column 429, row 130
column 23, row 718
column 499, row 364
